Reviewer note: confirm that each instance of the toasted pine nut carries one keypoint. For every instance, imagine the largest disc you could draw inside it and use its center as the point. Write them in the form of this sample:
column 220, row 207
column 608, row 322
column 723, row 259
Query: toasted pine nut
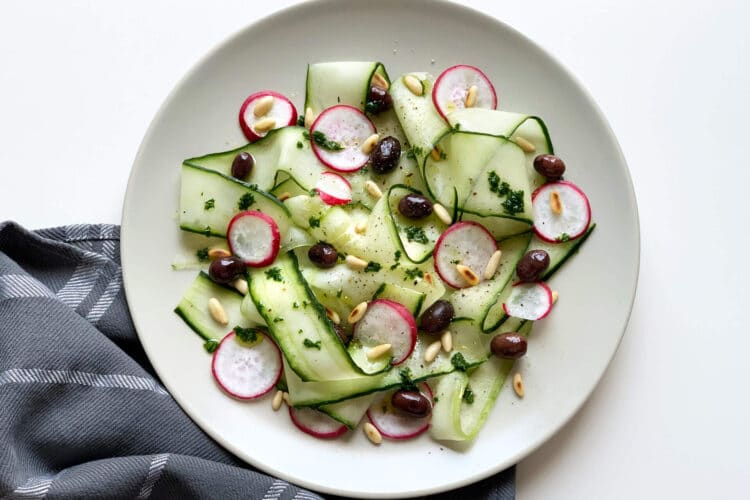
column 518, row 384
column 284, row 196
column 442, row 213
column 372, row 433
column 361, row 227
column 524, row 144
column 414, row 85
column 369, row 144
column 264, row 125
column 333, row 316
column 357, row 313
column 555, row 202
column 379, row 81
column 428, row 278
column 373, row 189
column 309, row 117
column 217, row 252
column 240, row 285
column 432, row 351
column 446, row 340
column 355, row 263
column 492, row 265
column 217, row 311
column 435, row 154
column 469, row 275
column 263, row 106
column 471, row 96
column 286, row 398
column 378, row 351
column 278, row 398
column 555, row 296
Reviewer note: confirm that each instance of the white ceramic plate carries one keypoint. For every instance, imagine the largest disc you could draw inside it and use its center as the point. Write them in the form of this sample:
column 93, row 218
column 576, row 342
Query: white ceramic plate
column 569, row 351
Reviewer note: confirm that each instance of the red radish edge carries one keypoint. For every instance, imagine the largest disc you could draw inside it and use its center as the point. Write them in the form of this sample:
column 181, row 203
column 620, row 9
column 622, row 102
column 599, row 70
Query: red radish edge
column 330, row 199
column 436, row 252
column 276, row 236
column 231, row 334
column 308, row 430
column 407, row 317
column 246, row 129
column 579, row 191
column 481, row 73
column 315, row 147
column 424, row 389
column 546, row 288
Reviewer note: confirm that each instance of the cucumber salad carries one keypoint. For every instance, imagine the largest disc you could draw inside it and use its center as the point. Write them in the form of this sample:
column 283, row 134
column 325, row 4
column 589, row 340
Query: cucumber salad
column 378, row 258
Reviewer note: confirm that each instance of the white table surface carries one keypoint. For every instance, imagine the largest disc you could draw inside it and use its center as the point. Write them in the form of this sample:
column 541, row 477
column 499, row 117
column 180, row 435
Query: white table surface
column 81, row 80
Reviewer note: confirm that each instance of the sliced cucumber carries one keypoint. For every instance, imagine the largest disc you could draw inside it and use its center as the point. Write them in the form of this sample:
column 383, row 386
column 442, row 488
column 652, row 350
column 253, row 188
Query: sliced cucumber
column 408, row 297
column 332, row 83
column 415, row 237
column 349, row 412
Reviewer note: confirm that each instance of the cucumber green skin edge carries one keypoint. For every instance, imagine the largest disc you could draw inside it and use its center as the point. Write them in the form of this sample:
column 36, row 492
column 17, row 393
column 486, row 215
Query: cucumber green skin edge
column 394, row 226
column 378, row 65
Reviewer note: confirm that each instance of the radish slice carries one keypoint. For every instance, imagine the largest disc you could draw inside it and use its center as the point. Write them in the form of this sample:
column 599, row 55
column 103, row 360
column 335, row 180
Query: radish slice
column 282, row 112
column 452, row 86
column 254, row 237
column 393, row 424
column 467, row 243
column 388, row 322
column 246, row 370
column 349, row 128
column 568, row 225
column 316, row 423
column 529, row 301
column 334, row 189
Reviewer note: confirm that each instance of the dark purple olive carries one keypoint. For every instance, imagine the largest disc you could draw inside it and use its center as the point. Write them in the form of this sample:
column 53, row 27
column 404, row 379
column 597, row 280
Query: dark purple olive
column 415, row 206
column 386, row 154
column 242, row 165
column 378, row 100
column 412, row 403
column 508, row 345
column 323, row 255
column 550, row 166
column 226, row 269
column 532, row 265
column 437, row 317
column 341, row 333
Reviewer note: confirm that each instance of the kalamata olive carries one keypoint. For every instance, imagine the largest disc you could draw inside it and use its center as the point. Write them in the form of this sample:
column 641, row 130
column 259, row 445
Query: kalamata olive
column 508, row 345
column 378, row 100
column 550, row 166
column 415, row 206
column 242, row 165
column 437, row 317
column 341, row 333
column 386, row 154
column 532, row 265
column 323, row 255
column 413, row 403
column 226, row 269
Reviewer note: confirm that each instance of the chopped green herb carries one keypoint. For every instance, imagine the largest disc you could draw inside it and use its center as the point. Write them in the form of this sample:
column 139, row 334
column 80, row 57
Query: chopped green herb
column 413, row 273
column 459, row 362
column 314, row 221
column 246, row 334
column 322, row 141
column 435, row 399
column 457, row 126
column 397, row 255
column 305, row 303
column 207, row 231
column 274, row 274
column 300, row 145
column 372, row 267
column 394, row 266
column 299, row 331
column 202, row 254
column 414, row 233
column 313, row 345
column 456, row 261
column 339, row 293
column 414, row 153
column 211, row 345
column 278, row 319
column 513, row 202
column 468, row 395
column 245, row 201
column 209, row 204
column 407, row 383
column 442, row 154
column 295, row 305
column 563, row 237
column 301, row 121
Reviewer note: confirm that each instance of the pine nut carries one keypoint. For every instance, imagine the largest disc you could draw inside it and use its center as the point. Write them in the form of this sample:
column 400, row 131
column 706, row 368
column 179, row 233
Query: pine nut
column 278, row 398
column 555, row 296
column 432, row 351
column 428, row 278
column 378, row 351
column 518, row 384
column 355, row 263
column 446, row 340
column 435, row 154
column 370, row 143
column 263, row 106
column 264, row 125
column 217, row 311
column 333, row 316
column 372, row 433
column 379, row 81
column 492, row 265
column 309, row 117
column 414, row 85
column 469, row 275
column 240, row 285
column 286, row 398
column 361, row 227
column 555, row 202
column 373, row 189
column 442, row 213
column 285, row 196
column 357, row 313
column 525, row 144
column 217, row 253
column 471, row 96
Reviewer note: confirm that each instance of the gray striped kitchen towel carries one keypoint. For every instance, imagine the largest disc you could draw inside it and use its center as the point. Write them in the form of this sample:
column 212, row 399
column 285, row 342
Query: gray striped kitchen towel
column 82, row 414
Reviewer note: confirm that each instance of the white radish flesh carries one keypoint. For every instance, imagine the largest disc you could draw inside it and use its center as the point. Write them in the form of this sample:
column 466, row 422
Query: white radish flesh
column 388, row 322
column 530, row 301
column 394, row 424
column 246, row 370
column 467, row 243
column 316, row 423
column 347, row 127
column 282, row 112
column 254, row 237
column 334, row 189
column 452, row 87
column 569, row 223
